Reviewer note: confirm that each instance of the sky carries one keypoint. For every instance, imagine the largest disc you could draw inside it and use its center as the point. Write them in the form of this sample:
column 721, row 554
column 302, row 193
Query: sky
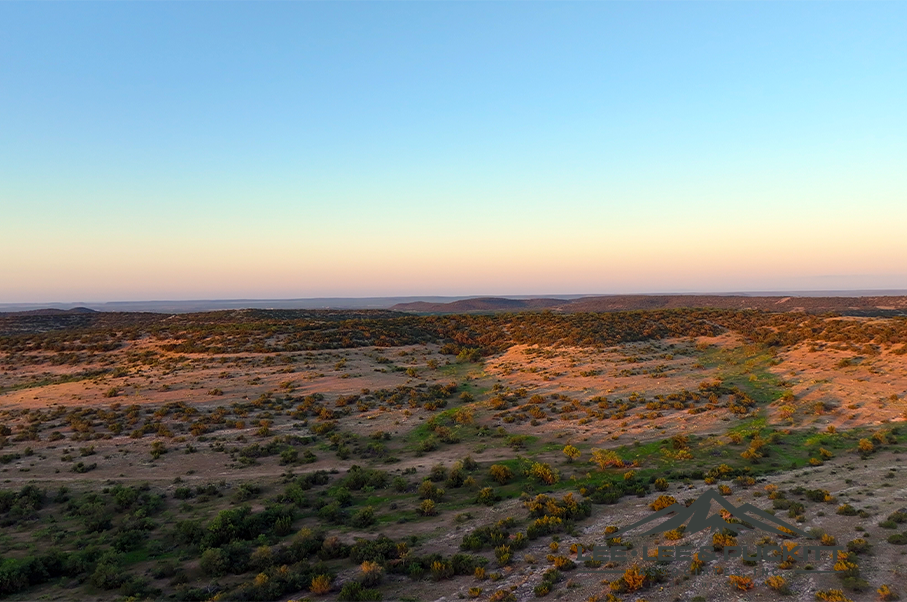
column 205, row 150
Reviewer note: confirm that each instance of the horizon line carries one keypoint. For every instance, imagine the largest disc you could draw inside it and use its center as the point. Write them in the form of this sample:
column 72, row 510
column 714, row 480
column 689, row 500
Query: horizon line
column 855, row 293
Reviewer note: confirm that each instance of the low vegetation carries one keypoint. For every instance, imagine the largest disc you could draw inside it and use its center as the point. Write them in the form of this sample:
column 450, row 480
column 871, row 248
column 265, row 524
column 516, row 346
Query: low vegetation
column 283, row 455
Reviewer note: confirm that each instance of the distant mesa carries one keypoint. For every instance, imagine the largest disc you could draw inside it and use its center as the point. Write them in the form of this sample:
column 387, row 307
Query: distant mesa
column 50, row 311
column 478, row 304
column 870, row 305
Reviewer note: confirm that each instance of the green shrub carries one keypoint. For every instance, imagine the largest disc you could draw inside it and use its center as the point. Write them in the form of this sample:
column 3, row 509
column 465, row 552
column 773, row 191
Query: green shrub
column 846, row 510
column 353, row 591
column 214, row 562
column 487, row 496
column 363, row 518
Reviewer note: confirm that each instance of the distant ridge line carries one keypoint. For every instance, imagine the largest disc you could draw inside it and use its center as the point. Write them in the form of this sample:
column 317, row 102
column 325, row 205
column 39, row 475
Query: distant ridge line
column 855, row 303
column 870, row 305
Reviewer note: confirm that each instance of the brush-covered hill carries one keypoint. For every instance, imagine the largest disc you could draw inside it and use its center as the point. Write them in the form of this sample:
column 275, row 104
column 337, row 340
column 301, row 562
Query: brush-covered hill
column 875, row 305
column 480, row 304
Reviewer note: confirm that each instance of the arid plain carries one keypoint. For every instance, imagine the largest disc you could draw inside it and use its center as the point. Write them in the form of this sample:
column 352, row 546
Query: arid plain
column 281, row 455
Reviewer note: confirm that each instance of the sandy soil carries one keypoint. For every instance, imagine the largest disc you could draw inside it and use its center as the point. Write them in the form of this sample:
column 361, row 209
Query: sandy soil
column 865, row 390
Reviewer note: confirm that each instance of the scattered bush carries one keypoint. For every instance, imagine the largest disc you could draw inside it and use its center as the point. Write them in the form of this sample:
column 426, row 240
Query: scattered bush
column 501, row 473
column 662, row 502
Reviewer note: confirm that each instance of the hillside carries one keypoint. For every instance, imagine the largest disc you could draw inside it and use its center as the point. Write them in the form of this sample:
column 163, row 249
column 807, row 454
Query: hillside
column 365, row 455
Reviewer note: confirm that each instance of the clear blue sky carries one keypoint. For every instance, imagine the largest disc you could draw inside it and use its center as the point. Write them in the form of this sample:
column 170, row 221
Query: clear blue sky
column 216, row 150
